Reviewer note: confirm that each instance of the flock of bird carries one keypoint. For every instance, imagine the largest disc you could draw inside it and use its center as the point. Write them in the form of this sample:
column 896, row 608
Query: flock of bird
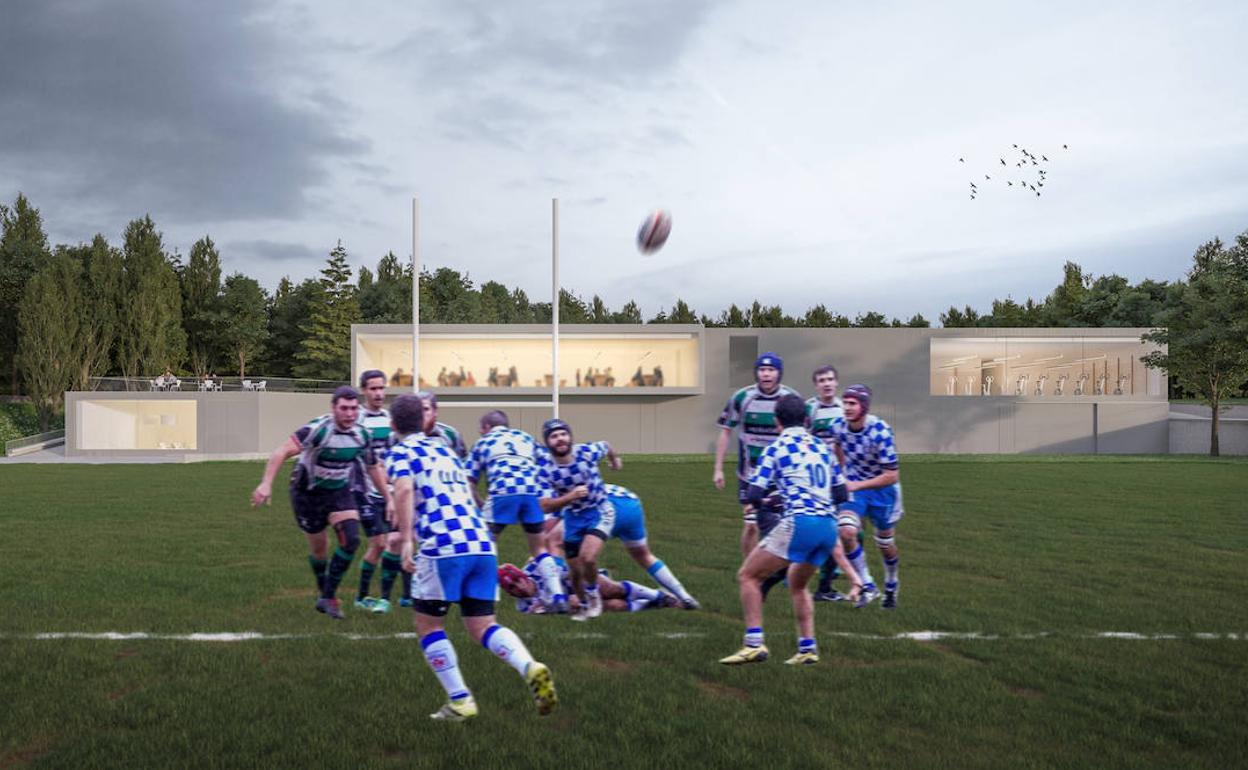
column 1028, row 174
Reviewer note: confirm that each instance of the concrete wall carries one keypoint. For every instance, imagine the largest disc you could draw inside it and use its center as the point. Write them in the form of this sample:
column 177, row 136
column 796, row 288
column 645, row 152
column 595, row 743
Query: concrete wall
column 894, row 362
column 1189, row 434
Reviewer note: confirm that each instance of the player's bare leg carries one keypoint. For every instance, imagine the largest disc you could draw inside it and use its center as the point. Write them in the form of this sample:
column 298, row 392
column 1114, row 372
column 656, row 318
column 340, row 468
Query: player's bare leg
column 756, row 568
column 848, row 526
column 749, row 537
column 804, row 611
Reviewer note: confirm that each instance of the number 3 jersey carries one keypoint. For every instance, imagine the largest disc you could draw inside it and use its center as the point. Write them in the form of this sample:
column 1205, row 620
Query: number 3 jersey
column 508, row 458
column 445, row 518
column 803, row 469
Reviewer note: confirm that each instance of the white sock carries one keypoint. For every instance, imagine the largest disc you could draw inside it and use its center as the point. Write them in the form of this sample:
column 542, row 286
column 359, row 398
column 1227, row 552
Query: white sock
column 549, row 572
column 661, row 573
column 638, row 596
column 504, row 643
column 859, row 559
column 441, row 657
column 754, row 637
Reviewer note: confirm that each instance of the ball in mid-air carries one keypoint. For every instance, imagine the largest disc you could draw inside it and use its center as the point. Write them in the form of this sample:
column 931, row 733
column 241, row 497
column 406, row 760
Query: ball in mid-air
column 654, row 231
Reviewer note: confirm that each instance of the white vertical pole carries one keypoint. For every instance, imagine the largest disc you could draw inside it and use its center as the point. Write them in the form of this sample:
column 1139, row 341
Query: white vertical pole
column 415, row 295
column 554, row 305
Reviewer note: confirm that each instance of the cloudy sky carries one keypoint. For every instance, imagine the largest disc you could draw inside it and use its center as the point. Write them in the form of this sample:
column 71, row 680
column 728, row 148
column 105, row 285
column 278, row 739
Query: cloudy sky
column 808, row 151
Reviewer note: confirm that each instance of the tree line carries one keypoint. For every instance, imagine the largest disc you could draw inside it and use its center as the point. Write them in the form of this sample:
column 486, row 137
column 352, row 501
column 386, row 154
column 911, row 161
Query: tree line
column 74, row 312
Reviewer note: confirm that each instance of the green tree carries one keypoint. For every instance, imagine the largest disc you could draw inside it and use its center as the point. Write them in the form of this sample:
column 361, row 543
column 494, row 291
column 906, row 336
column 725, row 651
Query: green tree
column 1062, row 307
column 202, row 314
column 599, row 313
column 681, row 313
column 871, row 319
column 289, row 309
column 733, row 318
column 49, row 334
column 572, row 309
column 325, row 353
column 917, row 321
column 1205, row 332
column 151, row 336
column 451, row 298
column 954, row 318
column 629, row 314
column 244, row 327
column 496, row 305
column 23, row 252
column 388, row 299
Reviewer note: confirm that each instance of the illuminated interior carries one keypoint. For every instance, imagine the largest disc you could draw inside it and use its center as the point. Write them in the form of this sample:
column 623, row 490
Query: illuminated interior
column 1043, row 367
column 592, row 362
column 156, row 425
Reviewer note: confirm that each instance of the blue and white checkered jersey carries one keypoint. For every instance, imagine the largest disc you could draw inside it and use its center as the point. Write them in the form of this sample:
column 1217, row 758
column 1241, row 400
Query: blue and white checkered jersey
column 508, row 458
column 560, row 479
column 868, row 452
column 615, row 490
column 445, row 518
column 803, row 469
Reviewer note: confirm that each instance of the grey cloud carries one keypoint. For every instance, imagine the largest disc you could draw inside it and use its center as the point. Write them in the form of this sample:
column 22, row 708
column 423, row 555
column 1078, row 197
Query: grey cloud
column 492, row 64
column 244, row 252
column 173, row 108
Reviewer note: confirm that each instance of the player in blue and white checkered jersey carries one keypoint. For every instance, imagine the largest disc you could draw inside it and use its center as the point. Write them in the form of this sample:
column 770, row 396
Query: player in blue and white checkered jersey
column 630, row 530
column 810, row 483
column 865, row 444
column 574, row 489
column 456, row 563
column 507, row 458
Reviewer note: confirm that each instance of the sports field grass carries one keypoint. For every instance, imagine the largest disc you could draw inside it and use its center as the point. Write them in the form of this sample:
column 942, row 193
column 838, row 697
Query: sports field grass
column 1040, row 556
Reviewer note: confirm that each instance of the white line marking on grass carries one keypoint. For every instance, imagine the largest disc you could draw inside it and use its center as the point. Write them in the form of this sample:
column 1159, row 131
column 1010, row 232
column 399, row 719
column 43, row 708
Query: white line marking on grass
column 913, row 636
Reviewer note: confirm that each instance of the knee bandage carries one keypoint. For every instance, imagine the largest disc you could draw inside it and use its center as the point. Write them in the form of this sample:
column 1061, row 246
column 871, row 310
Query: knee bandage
column 348, row 535
column 885, row 542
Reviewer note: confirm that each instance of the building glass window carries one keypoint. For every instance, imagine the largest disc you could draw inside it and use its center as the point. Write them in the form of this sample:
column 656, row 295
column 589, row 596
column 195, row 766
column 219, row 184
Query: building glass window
column 587, row 361
column 157, row 425
column 1053, row 367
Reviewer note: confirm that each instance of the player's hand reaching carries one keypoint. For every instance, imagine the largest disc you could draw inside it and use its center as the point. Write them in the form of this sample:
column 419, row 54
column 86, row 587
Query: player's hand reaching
column 390, row 510
column 262, row 495
column 615, row 462
column 580, row 492
column 717, row 478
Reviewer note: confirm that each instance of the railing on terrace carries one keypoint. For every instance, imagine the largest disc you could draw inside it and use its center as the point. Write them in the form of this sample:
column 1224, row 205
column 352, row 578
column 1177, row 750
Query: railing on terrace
column 197, row 385
column 34, row 443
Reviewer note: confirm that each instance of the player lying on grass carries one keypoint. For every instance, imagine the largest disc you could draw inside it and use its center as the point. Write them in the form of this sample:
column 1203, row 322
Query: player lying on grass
column 810, row 484
column 864, row 445
column 507, row 458
column 630, row 530
column 321, row 494
column 392, row 566
column 456, row 562
column 521, row 583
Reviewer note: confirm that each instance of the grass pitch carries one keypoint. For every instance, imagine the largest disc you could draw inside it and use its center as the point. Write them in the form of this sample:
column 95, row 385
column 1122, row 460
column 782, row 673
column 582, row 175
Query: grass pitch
column 1039, row 555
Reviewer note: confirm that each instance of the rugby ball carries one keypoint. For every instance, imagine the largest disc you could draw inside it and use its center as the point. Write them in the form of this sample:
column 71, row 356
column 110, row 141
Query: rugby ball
column 654, row 231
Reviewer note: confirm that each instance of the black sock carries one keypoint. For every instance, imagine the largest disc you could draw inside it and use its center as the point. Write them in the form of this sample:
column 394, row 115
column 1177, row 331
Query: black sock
column 338, row 567
column 366, row 578
column 318, row 569
column 391, row 566
column 407, row 583
column 774, row 580
column 827, row 573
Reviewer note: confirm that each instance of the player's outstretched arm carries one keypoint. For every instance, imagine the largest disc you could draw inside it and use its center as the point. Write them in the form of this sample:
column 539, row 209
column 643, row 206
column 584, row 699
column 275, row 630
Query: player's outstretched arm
column 847, row 568
column 263, row 493
column 614, row 462
column 721, row 448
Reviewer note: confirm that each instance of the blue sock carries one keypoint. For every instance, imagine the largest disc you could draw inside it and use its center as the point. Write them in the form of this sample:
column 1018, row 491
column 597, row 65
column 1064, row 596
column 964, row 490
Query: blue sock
column 805, row 644
column 754, row 637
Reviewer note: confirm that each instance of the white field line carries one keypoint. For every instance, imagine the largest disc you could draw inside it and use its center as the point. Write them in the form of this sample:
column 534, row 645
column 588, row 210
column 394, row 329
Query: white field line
column 916, row 636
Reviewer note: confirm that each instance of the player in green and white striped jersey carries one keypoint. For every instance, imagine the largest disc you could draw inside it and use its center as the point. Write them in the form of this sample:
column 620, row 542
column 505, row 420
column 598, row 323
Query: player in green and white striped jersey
column 822, row 409
column 331, row 450
column 752, row 409
column 375, row 418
